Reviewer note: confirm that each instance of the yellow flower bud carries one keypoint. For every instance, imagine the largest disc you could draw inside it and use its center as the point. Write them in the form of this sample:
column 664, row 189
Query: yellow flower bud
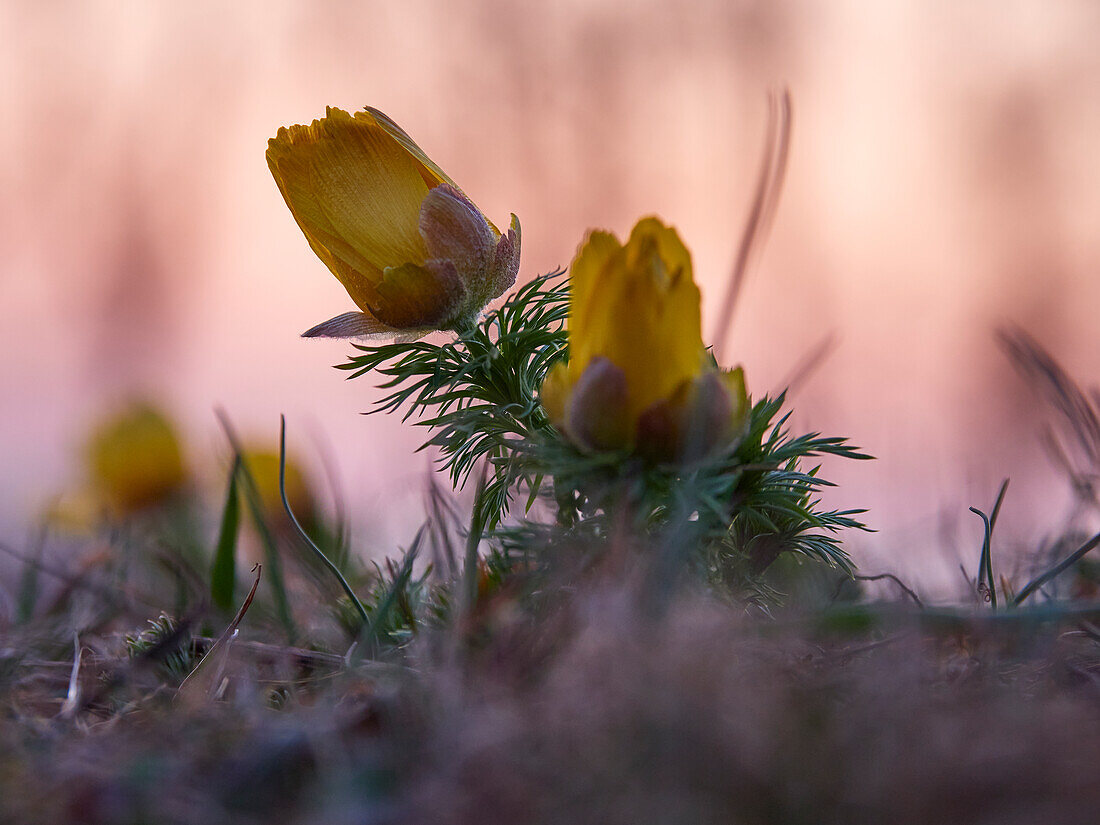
column 638, row 376
column 135, row 460
column 413, row 252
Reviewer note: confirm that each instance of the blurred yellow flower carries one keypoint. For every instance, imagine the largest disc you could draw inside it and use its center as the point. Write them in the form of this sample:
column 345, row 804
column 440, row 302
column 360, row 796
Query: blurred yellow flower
column 135, row 460
column 413, row 252
column 263, row 465
column 638, row 376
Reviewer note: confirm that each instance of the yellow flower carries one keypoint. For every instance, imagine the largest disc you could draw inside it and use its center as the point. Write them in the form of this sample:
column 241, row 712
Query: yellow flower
column 638, row 376
column 413, row 252
column 135, row 460
column 263, row 465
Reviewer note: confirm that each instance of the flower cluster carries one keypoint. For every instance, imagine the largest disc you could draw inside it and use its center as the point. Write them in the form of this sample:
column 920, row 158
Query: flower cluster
column 415, row 254
column 594, row 394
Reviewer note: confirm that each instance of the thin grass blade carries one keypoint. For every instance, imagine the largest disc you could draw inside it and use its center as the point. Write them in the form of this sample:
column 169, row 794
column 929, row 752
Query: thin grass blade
column 223, row 572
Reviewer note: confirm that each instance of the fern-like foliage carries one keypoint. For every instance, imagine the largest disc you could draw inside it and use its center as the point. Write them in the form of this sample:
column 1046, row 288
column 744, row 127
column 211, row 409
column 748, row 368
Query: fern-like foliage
column 478, row 396
column 479, row 393
column 743, row 506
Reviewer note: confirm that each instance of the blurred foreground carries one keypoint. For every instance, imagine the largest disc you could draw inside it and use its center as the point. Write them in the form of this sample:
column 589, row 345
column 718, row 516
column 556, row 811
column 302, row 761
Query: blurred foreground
column 600, row 710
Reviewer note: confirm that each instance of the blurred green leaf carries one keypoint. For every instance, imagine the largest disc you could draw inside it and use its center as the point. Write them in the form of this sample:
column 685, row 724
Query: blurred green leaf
column 223, row 573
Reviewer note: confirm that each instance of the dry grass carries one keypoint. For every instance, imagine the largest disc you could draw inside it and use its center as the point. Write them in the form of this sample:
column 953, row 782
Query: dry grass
column 598, row 711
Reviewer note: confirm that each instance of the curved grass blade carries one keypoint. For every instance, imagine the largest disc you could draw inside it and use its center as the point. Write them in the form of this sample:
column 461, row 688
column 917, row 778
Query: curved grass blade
column 302, row 533
column 985, row 563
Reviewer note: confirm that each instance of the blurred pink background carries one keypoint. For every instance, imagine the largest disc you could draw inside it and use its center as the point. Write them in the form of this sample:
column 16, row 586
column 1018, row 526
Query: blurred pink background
column 944, row 179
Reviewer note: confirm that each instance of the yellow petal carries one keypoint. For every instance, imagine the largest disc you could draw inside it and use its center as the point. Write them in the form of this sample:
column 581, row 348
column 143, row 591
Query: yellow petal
column 670, row 249
column 429, row 171
column 290, row 166
column 587, row 274
column 735, row 384
column 370, row 189
column 639, row 375
column 355, row 191
column 414, row 295
column 554, row 392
